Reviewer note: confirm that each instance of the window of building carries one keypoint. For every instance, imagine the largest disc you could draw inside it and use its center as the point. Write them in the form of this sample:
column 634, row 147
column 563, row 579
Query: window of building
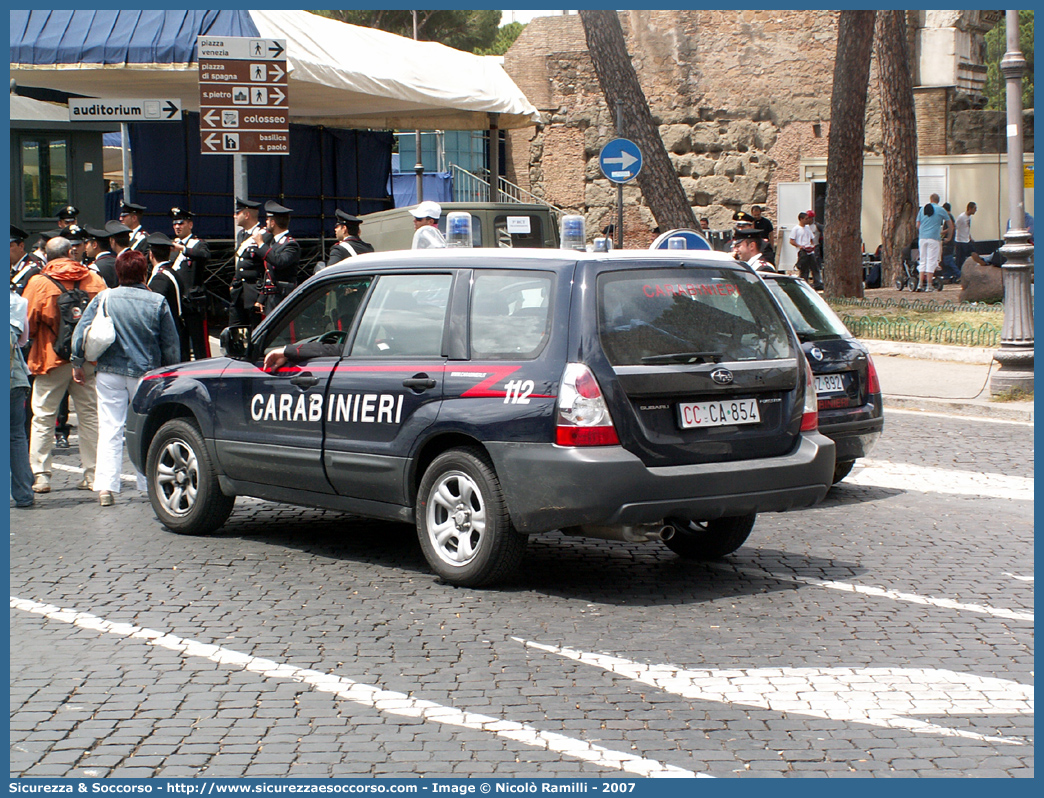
column 45, row 176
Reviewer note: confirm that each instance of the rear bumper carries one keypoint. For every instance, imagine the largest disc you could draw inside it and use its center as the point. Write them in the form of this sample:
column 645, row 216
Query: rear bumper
column 550, row 487
column 856, row 438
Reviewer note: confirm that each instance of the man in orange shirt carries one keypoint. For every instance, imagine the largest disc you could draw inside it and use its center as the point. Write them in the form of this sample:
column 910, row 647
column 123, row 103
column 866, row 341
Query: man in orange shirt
column 53, row 375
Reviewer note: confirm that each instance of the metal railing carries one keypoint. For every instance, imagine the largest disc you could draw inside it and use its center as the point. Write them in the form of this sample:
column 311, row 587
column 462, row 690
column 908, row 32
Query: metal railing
column 903, row 329
column 920, row 305
column 469, row 187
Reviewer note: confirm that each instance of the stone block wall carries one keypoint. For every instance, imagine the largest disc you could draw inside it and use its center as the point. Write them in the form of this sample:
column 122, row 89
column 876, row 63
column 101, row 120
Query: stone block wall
column 741, row 97
column 725, row 86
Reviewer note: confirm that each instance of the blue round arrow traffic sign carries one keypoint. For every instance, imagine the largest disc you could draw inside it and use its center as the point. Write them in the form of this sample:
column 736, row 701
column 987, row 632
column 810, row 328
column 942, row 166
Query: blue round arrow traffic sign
column 620, row 160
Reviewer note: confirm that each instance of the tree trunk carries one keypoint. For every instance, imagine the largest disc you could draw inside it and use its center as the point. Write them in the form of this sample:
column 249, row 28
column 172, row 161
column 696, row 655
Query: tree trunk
column 842, row 249
column 658, row 180
column 899, row 128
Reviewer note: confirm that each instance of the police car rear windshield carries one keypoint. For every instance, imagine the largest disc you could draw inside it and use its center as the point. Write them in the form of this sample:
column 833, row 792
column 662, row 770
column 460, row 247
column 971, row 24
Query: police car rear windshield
column 697, row 315
column 813, row 319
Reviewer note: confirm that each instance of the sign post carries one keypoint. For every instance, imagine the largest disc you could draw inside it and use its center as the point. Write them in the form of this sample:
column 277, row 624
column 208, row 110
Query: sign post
column 243, row 106
column 620, row 161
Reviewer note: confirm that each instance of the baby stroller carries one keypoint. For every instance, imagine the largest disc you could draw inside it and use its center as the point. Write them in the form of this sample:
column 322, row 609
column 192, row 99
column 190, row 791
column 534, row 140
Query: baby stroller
column 908, row 277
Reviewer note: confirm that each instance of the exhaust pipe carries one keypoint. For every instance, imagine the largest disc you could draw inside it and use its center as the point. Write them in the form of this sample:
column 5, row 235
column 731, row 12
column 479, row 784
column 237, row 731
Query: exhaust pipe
column 631, row 533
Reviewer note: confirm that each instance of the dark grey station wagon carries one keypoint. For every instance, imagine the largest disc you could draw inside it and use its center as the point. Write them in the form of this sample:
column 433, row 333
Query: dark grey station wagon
column 487, row 395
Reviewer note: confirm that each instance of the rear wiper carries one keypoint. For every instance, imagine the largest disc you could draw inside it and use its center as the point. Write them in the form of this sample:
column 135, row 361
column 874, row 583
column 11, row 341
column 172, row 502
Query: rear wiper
column 685, row 357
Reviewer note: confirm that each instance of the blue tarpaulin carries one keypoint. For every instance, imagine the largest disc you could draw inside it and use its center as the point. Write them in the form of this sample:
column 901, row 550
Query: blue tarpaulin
column 118, row 37
column 326, row 169
column 438, row 186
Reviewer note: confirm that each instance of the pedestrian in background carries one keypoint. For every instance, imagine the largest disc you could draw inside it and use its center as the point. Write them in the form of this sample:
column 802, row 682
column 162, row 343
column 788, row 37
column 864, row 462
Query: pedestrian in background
column 243, row 295
column 145, row 339
column 932, row 226
column 962, row 235
column 130, row 216
column 166, row 282
column 24, row 265
column 21, row 471
column 52, row 374
column 191, row 254
column 763, row 224
column 277, row 253
column 948, row 250
column 803, row 238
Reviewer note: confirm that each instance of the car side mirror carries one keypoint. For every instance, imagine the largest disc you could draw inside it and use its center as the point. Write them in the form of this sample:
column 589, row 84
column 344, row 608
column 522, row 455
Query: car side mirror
column 235, row 342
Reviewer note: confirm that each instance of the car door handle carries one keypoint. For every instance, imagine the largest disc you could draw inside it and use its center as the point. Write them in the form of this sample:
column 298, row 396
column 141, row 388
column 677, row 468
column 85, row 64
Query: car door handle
column 305, row 380
column 419, row 383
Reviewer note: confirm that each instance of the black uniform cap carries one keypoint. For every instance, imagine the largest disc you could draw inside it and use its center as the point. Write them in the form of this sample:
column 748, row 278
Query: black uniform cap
column 243, row 204
column 743, row 217
column 74, row 233
column 99, row 235
column 18, row 234
column 68, row 212
column 180, row 214
column 159, row 240
column 130, row 207
column 275, row 208
column 47, row 235
column 346, row 217
column 114, row 228
column 748, row 232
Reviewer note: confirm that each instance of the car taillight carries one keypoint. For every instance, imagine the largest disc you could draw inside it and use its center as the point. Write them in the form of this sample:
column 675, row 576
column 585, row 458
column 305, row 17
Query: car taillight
column 810, row 411
column 583, row 416
column 872, row 382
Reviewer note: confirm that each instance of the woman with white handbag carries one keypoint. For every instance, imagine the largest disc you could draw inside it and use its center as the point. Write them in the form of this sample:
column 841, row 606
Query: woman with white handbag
column 129, row 330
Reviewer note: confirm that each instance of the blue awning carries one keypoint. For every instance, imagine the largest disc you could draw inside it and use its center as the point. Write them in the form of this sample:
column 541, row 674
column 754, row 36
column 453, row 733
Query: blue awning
column 118, row 37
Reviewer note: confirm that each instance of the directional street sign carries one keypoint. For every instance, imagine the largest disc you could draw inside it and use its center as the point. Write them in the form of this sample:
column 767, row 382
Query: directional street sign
column 110, row 110
column 243, row 104
column 620, row 160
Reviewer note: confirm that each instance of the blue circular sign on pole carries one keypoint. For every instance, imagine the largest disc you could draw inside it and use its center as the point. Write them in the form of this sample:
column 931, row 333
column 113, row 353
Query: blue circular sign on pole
column 620, row 160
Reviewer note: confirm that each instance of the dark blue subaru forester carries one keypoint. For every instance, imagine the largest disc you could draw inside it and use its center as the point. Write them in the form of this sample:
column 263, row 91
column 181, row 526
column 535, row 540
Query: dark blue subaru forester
column 488, row 394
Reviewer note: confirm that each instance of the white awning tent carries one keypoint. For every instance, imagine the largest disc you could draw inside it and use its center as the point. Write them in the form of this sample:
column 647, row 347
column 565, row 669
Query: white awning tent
column 339, row 75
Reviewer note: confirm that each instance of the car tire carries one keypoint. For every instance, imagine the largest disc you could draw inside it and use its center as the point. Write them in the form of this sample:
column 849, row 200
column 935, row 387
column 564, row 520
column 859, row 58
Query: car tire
column 182, row 483
column 462, row 521
column 709, row 540
column 842, row 469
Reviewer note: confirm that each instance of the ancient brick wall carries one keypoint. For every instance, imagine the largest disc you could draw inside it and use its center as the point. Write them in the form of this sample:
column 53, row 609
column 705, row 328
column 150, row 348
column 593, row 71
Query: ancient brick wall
column 725, row 86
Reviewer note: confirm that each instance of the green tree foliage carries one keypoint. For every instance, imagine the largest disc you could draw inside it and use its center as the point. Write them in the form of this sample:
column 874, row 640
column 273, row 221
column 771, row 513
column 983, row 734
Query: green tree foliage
column 505, row 38
column 471, row 31
column 996, row 44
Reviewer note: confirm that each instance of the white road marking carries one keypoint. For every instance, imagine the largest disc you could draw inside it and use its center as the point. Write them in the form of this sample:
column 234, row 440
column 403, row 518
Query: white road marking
column 387, row 701
column 1019, row 578
column 958, row 416
column 78, row 470
column 881, row 697
column 905, row 476
column 879, row 592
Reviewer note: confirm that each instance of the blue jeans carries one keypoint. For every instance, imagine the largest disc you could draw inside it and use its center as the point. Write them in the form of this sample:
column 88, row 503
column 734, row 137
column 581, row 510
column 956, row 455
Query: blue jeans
column 949, row 267
column 21, row 473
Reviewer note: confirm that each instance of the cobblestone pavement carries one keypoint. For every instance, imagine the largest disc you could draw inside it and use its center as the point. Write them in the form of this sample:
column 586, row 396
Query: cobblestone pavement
column 886, row 632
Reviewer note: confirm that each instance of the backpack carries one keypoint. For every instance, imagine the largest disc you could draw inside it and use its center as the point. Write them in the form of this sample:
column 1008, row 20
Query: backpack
column 71, row 304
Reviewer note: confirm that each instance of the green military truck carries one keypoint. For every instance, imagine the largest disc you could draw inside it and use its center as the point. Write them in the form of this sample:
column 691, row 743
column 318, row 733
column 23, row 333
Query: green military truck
column 493, row 224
